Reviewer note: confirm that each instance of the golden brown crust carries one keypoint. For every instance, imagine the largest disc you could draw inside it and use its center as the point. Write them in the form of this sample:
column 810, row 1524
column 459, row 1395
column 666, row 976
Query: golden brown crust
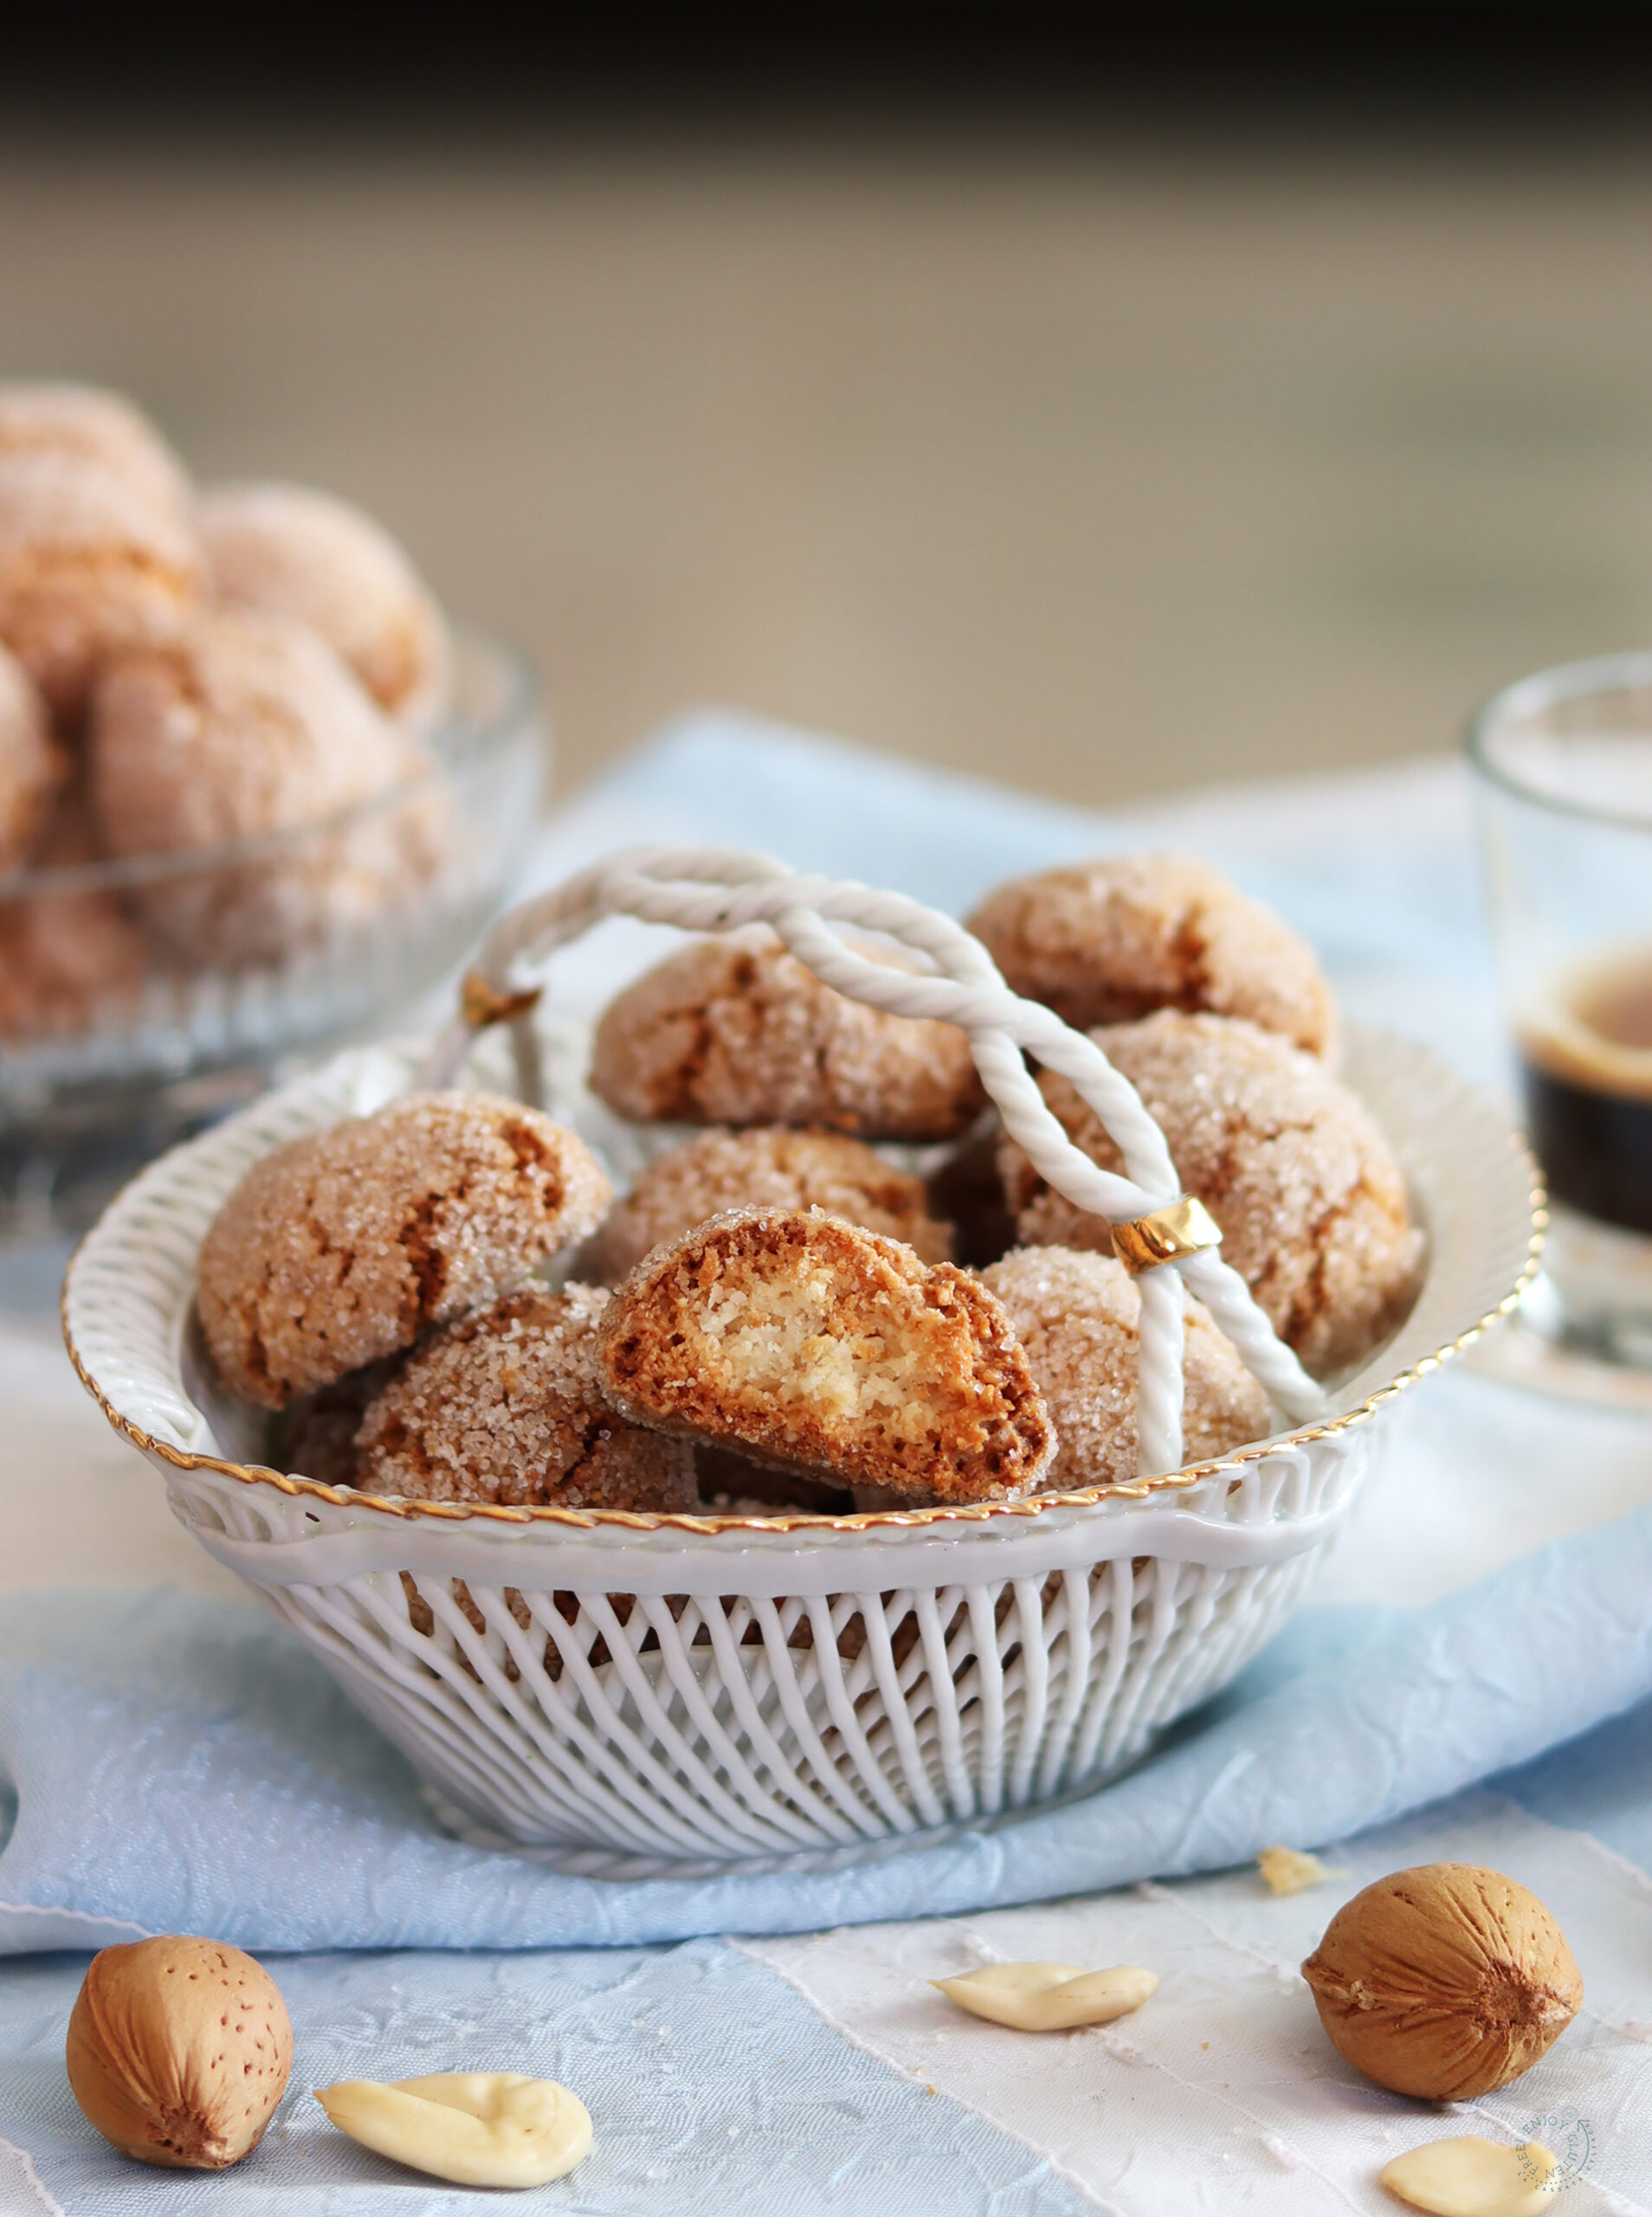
column 735, row 1031
column 345, row 1245
column 1107, row 941
column 772, row 1168
column 91, row 565
column 297, row 553
column 1291, row 1165
column 822, row 1348
column 1078, row 1315
column 504, row 1406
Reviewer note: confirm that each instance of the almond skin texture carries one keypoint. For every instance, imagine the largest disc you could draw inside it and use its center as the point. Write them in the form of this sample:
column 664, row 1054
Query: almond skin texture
column 1445, row 1981
column 178, row 2051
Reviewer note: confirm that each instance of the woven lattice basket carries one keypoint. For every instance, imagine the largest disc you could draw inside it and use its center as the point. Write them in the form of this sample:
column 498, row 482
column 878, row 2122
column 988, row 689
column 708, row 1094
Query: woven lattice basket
column 631, row 1693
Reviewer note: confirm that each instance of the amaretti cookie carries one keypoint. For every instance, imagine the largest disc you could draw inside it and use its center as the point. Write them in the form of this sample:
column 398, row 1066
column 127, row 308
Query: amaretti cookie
column 1292, row 1165
column 301, row 554
column 85, row 423
column 90, row 564
column 1107, row 941
column 735, row 1031
column 348, row 1244
column 30, row 766
column 1078, row 1316
column 67, row 959
column 823, row 1349
column 244, row 724
column 504, row 1406
column 772, row 1168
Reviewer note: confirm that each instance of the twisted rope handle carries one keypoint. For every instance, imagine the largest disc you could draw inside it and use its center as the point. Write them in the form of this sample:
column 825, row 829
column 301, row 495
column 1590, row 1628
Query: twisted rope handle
column 711, row 889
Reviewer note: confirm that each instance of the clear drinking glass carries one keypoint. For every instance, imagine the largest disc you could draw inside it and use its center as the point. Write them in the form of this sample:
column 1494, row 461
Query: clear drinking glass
column 1564, row 763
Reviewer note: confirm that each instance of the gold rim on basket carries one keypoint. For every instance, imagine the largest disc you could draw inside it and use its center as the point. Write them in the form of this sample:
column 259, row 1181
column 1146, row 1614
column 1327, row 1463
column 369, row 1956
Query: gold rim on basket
column 859, row 1521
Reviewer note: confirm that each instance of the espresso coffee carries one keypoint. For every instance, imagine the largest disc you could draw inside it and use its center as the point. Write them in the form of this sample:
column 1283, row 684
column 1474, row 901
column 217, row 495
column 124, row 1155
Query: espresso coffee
column 1587, row 1061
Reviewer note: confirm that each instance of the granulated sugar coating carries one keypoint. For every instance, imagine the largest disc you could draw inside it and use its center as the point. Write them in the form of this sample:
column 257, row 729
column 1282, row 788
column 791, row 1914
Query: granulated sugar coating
column 305, row 555
column 1290, row 1164
column 1107, row 941
column 769, row 1168
column 90, row 564
column 83, row 424
column 504, row 1406
column 30, row 766
column 347, row 1244
column 1078, row 1318
column 735, row 1031
column 823, row 1349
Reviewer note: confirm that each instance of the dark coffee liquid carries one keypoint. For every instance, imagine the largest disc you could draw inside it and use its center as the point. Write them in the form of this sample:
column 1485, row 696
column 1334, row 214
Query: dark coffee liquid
column 1596, row 1149
column 1588, row 1071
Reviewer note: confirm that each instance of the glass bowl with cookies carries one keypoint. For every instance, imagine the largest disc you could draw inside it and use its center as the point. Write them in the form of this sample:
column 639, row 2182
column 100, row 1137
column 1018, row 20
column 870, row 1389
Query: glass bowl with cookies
column 874, row 1382
column 256, row 791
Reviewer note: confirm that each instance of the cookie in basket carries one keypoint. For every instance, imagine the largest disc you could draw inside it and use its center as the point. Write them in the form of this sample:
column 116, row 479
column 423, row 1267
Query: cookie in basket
column 735, row 1031
column 345, row 1245
column 1291, row 1164
column 820, row 1348
column 772, row 1168
column 1105, row 941
column 91, row 563
column 31, row 765
column 504, row 1406
column 244, row 724
column 1077, row 1315
column 305, row 555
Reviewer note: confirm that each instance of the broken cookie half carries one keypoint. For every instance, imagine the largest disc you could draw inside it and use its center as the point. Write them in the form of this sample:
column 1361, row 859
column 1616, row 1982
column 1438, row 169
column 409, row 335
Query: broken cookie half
column 820, row 1348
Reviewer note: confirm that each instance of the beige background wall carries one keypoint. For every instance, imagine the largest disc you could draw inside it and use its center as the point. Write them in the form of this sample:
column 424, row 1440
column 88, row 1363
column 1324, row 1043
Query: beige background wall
column 1099, row 466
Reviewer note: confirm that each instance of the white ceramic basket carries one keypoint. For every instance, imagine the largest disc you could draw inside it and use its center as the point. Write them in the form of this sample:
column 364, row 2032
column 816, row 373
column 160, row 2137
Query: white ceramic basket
column 633, row 1693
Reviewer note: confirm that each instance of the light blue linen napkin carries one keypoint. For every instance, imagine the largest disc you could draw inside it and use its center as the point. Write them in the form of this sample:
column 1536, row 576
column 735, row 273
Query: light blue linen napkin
column 182, row 1764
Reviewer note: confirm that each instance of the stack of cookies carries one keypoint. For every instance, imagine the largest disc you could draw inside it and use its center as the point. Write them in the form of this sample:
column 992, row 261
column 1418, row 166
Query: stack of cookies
column 780, row 1315
column 180, row 671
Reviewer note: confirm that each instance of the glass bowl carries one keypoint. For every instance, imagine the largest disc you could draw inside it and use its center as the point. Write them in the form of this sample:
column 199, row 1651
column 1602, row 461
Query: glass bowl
column 141, row 999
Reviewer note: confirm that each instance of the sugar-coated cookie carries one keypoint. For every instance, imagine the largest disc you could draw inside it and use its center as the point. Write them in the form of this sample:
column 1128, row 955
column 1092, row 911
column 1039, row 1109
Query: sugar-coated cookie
column 305, row 555
column 1107, row 941
column 345, row 1246
column 735, row 1031
column 242, row 725
column 769, row 1167
column 1292, row 1165
column 91, row 564
column 504, row 1406
column 820, row 1348
column 68, row 960
column 85, row 423
column 1078, row 1316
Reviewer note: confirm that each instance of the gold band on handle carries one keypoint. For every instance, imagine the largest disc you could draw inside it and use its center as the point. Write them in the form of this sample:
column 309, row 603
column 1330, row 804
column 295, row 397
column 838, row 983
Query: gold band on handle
column 1185, row 1227
column 480, row 1004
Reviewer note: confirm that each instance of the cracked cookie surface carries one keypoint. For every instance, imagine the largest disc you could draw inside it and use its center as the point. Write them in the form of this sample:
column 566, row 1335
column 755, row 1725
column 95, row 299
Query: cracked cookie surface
column 1078, row 1315
column 347, row 1244
column 1290, row 1163
column 820, row 1348
column 735, row 1031
column 1107, row 941
column 504, row 1406
column 773, row 1167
